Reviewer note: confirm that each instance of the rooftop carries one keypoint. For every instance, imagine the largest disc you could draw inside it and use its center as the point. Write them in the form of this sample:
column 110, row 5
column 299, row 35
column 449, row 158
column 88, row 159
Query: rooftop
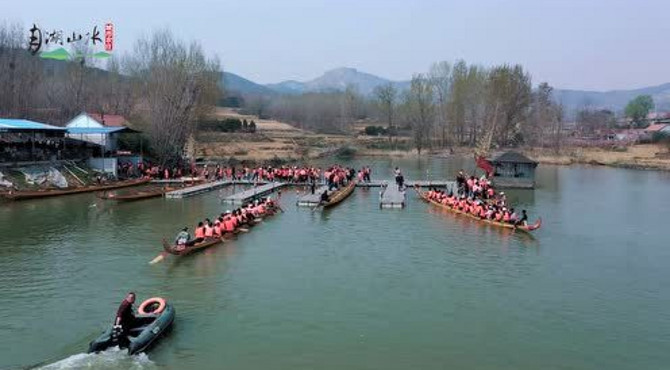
column 10, row 124
column 109, row 120
column 512, row 157
column 656, row 127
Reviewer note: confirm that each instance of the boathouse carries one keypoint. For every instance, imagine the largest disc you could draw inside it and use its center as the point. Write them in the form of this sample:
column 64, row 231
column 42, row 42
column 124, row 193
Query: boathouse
column 513, row 170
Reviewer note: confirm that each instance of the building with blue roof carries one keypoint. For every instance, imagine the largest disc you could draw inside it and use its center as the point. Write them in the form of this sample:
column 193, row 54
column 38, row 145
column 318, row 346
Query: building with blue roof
column 11, row 125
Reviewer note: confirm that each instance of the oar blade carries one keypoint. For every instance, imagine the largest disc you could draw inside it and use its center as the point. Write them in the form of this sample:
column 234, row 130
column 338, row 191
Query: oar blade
column 158, row 258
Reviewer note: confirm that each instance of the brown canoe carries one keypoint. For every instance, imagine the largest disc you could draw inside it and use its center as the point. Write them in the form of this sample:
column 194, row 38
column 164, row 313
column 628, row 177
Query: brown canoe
column 142, row 194
column 22, row 195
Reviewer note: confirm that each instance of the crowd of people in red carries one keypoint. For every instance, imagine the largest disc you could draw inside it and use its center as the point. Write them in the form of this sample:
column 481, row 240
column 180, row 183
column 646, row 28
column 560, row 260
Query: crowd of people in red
column 477, row 197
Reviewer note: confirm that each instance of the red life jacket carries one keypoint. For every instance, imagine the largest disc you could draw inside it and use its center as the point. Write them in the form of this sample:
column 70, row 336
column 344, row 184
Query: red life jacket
column 209, row 231
column 228, row 225
column 200, row 232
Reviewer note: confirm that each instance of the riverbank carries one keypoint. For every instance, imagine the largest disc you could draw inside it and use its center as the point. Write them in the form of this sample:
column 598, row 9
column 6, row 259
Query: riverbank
column 276, row 140
column 643, row 157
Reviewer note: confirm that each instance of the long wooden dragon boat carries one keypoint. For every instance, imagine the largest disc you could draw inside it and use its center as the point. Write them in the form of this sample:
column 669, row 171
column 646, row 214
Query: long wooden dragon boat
column 524, row 228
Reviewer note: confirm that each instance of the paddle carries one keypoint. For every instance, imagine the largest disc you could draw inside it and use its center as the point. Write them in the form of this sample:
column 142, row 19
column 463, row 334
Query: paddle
column 243, row 230
column 158, row 258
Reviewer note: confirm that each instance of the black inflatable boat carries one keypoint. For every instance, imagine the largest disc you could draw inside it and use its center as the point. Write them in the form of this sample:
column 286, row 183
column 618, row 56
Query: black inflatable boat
column 148, row 328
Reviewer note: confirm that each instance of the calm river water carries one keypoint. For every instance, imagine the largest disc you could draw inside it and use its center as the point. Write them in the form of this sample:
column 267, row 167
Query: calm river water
column 354, row 287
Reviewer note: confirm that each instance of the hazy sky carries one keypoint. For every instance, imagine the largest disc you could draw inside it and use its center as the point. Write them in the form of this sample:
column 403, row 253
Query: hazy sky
column 583, row 44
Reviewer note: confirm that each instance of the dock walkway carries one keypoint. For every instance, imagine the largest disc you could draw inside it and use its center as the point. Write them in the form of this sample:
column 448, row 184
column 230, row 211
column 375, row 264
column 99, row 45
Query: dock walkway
column 391, row 197
column 258, row 191
column 197, row 189
column 312, row 200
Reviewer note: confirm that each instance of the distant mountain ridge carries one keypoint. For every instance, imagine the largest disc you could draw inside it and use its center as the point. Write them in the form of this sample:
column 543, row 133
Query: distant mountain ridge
column 365, row 83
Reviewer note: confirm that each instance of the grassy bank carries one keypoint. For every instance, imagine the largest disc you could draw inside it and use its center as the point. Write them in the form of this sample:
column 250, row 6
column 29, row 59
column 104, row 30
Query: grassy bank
column 646, row 156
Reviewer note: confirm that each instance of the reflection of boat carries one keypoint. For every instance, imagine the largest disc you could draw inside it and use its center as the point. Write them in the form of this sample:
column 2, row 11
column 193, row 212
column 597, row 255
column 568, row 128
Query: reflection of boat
column 138, row 195
column 340, row 194
column 525, row 228
column 148, row 328
column 21, row 195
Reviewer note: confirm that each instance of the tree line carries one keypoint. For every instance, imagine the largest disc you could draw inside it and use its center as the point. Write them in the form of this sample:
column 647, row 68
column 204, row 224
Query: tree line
column 449, row 105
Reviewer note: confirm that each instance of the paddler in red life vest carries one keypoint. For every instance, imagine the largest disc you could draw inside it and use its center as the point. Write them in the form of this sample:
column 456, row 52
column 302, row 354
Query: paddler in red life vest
column 199, row 233
column 209, row 229
column 217, row 228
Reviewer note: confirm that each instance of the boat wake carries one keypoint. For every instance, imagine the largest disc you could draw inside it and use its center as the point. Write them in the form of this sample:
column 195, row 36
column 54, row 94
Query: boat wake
column 113, row 358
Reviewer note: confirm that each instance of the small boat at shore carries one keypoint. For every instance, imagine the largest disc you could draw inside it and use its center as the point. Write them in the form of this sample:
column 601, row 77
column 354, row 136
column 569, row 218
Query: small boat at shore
column 23, row 195
column 341, row 194
column 138, row 195
column 154, row 319
column 524, row 228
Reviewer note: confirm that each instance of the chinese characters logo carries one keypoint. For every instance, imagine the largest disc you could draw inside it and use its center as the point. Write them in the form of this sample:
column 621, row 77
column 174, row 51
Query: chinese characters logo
column 42, row 42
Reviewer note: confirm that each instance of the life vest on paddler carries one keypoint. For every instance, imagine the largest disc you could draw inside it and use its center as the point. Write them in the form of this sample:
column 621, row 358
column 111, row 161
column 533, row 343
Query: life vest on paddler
column 200, row 232
column 209, row 231
column 217, row 228
column 506, row 217
column 228, row 225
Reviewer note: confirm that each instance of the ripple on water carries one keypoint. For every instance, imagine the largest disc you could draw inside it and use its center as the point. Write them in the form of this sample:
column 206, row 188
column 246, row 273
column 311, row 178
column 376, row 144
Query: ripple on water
column 113, row 358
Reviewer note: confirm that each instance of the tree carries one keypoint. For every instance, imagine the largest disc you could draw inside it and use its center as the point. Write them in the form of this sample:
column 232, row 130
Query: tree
column 386, row 98
column 638, row 108
column 178, row 85
column 420, row 110
column 440, row 78
column 590, row 120
column 509, row 89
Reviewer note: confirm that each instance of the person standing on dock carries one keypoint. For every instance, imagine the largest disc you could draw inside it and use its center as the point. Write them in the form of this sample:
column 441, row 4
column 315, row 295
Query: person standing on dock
column 399, row 179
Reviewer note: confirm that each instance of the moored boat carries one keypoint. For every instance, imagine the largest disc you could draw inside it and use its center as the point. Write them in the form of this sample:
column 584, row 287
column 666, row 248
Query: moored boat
column 23, row 195
column 341, row 194
column 155, row 318
column 524, row 228
column 142, row 194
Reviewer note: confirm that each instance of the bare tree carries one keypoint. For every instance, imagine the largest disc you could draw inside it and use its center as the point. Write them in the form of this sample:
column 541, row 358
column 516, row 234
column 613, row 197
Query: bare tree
column 386, row 98
column 179, row 84
column 20, row 72
column 420, row 110
column 440, row 79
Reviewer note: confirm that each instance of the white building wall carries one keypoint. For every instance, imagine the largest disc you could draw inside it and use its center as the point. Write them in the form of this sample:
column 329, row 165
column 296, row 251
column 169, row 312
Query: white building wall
column 84, row 120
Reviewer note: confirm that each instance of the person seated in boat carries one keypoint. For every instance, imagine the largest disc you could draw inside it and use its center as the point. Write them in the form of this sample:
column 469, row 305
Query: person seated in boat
column 182, row 238
column 324, row 197
column 199, row 233
column 209, row 230
column 523, row 221
column 217, row 227
column 513, row 217
column 261, row 208
column 505, row 215
column 125, row 319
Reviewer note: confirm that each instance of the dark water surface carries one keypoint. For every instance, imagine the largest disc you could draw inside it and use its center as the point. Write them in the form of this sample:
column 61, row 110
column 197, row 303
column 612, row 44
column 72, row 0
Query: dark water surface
column 354, row 287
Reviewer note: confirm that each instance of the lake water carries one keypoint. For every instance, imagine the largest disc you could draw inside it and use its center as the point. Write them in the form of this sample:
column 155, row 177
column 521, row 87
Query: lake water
column 354, row 287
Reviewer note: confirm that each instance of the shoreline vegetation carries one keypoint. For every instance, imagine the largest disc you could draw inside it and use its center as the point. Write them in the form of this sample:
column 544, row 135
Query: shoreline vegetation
column 278, row 140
